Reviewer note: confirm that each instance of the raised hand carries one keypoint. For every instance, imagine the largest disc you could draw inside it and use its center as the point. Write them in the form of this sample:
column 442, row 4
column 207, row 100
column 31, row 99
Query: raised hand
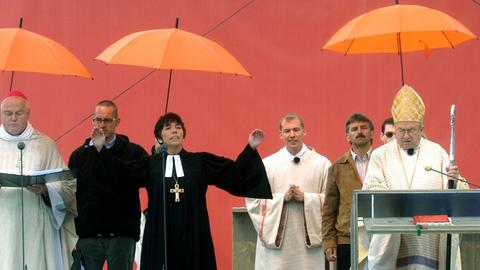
column 98, row 138
column 255, row 138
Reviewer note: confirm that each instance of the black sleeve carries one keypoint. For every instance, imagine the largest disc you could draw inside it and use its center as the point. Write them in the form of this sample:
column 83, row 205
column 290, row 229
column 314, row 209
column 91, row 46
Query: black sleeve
column 244, row 177
column 79, row 159
column 134, row 162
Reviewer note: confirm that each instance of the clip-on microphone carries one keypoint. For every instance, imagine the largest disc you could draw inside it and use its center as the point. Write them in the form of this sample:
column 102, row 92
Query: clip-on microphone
column 296, row 160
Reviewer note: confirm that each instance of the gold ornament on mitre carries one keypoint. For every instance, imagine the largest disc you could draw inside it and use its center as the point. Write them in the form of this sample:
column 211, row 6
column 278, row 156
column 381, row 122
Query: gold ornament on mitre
column 408, row 106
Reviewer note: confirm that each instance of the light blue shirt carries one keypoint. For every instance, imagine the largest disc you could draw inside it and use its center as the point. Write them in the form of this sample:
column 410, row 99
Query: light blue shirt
column 108, row 144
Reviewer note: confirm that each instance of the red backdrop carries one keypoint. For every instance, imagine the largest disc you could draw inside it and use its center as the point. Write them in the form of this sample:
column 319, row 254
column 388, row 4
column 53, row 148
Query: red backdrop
column 279, row 43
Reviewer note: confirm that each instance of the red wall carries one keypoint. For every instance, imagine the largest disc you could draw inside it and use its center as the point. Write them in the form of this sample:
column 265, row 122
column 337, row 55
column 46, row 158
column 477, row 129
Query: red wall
column 279, row 43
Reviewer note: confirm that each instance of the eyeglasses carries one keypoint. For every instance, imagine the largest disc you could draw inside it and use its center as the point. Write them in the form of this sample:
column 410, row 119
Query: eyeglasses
column 98, row 120
column 410, row 131
column 389, row 134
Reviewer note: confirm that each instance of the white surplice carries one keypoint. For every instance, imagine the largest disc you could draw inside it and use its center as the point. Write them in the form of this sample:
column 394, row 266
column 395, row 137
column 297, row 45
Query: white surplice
column 49, row 231
column 391, row 168
column 290, row 234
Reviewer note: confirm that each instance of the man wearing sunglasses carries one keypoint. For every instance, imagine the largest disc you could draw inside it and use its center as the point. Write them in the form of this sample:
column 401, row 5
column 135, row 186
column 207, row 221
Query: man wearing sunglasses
column 388, row 131
column 108, row 222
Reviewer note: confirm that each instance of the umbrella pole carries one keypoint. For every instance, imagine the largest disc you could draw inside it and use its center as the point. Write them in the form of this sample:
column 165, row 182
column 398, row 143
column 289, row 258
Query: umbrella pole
column 170, row 76
column 399, row 41
column 399, row 45
column 11, row 81
column 401, row 68
column 168, row 90
column 20, row 24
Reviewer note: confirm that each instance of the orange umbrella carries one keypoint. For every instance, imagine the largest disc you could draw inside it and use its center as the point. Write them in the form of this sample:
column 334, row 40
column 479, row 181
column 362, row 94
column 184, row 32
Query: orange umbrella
column 22, row 50
column 172, row 49
column 398, row 29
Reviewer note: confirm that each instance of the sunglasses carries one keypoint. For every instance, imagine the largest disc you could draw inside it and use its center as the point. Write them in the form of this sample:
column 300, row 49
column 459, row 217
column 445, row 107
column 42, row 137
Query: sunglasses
column 389, row 134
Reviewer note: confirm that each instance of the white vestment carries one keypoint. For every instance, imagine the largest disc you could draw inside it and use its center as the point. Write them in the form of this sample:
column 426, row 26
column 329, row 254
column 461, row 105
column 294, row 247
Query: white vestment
column 290, row 234
column 391, row 168
column 49, row 231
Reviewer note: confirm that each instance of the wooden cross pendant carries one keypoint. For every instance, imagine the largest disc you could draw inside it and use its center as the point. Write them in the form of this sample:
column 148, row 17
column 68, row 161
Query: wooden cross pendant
column 177, row 190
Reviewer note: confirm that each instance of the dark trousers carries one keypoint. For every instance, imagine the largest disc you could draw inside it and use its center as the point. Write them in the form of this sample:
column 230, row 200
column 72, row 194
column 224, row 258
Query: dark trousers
column 118, row 251
column 343, row 257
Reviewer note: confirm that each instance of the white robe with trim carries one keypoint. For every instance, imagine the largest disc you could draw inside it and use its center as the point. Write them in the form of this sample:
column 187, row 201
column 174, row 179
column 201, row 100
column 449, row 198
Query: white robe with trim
column 385, row 172
column 49, row 232
column 290, row 234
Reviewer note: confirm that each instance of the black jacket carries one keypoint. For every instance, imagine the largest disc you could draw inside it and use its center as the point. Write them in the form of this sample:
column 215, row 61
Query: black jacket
column 108, row 202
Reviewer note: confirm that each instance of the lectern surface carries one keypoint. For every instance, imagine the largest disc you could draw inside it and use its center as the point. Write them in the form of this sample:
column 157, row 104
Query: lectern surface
column 405, row 225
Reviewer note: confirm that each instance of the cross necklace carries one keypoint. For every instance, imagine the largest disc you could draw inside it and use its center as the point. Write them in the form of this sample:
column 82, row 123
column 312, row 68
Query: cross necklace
column 177, row 190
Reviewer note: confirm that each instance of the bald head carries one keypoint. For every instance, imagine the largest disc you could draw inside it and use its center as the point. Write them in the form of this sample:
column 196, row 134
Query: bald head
column 15, row 112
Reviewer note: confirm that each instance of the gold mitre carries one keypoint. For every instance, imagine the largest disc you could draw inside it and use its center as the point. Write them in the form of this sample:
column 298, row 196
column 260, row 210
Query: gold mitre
column 408, row 106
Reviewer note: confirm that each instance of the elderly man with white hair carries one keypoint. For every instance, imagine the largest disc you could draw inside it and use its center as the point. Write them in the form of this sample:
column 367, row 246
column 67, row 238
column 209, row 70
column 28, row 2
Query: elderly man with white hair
column 399, row 165
column 48, row 208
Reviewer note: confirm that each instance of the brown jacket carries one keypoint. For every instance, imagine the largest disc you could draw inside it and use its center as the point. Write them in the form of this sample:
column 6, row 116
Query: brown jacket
column 342, row 179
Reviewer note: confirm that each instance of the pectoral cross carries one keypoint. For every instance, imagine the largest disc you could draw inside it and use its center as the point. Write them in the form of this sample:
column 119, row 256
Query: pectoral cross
column 177, row 190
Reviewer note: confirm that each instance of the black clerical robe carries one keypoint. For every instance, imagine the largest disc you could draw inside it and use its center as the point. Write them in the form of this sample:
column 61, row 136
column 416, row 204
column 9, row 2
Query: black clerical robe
column 189, row 239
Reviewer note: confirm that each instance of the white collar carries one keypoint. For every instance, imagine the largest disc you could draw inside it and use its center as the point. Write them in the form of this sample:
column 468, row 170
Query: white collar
column 24, row 136
column 300, row 153
column 178, row 166
column 422, row 140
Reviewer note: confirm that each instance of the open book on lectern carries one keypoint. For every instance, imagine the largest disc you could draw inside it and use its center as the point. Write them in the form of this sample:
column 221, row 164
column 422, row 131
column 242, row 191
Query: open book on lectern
column 39, row 177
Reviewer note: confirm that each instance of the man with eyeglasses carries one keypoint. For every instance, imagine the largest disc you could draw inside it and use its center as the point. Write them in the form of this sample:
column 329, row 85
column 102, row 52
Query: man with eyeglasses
column 388, row 131
column 108, row 222
column 345, row 175
column 400, row 166
column 49, row 209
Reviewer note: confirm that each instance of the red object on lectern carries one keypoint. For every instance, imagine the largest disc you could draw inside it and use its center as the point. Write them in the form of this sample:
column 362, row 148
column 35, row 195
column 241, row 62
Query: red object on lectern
column 430, row 219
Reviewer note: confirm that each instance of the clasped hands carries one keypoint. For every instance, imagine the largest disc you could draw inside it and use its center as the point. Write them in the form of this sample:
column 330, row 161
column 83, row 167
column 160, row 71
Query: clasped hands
column 294, row 192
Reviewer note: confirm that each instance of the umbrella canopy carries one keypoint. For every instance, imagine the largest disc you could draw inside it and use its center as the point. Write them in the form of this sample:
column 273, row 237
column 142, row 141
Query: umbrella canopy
column 171, row 49
column 22, row 50
column 397, row 29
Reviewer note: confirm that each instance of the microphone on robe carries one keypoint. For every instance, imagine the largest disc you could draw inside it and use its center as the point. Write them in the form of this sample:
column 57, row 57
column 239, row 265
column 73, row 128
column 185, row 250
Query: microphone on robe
column 21, row 146
column 411, row 151
column 163, row 148
column 296, row 160
column 429, row 168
